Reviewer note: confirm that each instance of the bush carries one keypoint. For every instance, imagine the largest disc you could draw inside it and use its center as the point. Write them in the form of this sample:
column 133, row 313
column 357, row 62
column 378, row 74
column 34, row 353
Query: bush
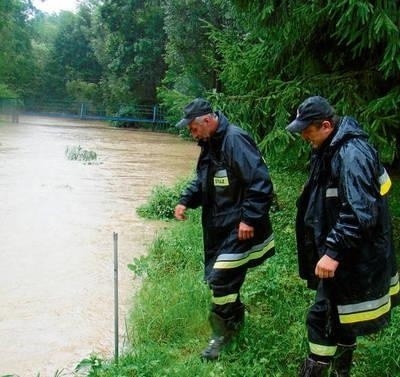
column 79, row 154
column 162, row 201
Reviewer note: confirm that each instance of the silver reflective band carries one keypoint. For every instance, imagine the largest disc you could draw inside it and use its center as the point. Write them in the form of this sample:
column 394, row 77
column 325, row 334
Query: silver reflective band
column 384, row 177
column 363, row 306
column 332, row 192
column 221, row 173
column 240, row 256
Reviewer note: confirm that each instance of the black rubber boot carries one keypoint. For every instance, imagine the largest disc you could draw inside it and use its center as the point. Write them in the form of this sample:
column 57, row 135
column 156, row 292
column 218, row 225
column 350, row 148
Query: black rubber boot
column 342, row 361
column 312, row 368
column 223, row 330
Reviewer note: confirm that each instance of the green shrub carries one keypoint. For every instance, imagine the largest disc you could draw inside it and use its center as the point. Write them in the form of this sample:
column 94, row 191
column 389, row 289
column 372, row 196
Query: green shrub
column 79, row 154
column 162, row 201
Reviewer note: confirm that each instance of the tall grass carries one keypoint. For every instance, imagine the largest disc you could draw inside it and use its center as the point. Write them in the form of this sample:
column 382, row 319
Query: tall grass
column 168, row 323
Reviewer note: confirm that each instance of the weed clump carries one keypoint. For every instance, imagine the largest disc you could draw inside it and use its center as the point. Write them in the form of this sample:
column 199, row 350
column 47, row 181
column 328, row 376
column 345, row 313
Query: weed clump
column 77, row 153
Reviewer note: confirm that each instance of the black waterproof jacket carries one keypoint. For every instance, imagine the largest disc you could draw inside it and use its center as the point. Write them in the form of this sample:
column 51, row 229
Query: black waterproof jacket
column 343, row 212
column 232, row 184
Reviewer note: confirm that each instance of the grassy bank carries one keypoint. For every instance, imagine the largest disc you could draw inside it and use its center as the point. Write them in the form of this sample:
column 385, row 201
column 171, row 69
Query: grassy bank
column 168, row 326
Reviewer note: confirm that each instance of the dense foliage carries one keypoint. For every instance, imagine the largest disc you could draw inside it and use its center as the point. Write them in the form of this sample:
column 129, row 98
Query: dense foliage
column 16, row 55
column 130, row 43
column 256, row 60
column 348, row 51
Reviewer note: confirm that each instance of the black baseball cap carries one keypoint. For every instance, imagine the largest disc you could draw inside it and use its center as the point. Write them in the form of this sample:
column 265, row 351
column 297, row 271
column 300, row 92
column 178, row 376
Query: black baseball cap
column 313, row 109
column 194, row 109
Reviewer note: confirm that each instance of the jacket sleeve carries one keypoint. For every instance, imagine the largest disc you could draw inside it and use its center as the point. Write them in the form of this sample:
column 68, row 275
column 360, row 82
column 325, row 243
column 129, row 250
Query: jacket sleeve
column 192, row 195
column 248, row 164
column 359, row 200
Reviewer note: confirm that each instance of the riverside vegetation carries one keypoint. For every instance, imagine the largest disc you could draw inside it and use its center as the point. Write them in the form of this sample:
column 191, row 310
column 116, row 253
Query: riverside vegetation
column 77, row 153
column 253, row 59
column 168, row 324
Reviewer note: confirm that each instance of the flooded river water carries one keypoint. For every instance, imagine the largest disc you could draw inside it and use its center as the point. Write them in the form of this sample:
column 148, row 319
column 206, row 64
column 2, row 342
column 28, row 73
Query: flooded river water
column 56, row 232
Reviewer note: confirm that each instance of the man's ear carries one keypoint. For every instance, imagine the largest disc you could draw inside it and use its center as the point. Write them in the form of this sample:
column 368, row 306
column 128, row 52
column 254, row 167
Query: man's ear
column 326, row 124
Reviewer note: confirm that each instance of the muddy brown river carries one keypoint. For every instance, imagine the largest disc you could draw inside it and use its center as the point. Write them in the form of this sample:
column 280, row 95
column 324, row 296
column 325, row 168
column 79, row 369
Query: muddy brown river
column 56, row 232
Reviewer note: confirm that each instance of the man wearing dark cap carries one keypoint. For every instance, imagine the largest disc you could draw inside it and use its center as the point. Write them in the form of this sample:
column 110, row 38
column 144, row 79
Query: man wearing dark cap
column 233, row 187
column 344, row 241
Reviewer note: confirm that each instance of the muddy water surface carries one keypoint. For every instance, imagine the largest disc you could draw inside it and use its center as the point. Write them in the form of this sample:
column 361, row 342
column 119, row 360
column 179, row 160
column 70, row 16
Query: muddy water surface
column 57, row 219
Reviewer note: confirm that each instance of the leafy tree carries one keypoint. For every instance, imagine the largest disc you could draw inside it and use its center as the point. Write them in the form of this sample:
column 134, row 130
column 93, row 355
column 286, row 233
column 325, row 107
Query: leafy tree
column 16, row 62
column 130, row 45
column 191, row 55
column 188, row 48
column 71, row 56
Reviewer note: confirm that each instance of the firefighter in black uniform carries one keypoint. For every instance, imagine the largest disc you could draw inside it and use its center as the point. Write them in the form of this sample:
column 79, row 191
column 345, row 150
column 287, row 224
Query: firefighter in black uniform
column 233, row 187
column 344, row 239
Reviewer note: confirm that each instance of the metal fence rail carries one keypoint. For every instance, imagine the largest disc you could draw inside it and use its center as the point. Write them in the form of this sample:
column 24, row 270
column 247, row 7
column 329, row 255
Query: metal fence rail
column 135, row 114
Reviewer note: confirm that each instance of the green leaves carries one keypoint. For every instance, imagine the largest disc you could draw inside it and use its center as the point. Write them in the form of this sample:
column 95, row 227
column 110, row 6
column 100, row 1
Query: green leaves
column 130, row 43
column 16, row 60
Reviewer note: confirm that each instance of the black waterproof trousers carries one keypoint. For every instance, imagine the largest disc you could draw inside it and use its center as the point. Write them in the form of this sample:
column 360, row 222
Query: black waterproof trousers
column 324, row 329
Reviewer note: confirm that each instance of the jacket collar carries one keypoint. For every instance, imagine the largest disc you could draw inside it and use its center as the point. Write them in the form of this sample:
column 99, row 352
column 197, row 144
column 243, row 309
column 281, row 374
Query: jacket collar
column 347, row 128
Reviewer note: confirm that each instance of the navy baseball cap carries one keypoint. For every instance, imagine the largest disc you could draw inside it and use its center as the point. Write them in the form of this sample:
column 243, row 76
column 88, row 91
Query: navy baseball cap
column 313, row 109
column 194, row 109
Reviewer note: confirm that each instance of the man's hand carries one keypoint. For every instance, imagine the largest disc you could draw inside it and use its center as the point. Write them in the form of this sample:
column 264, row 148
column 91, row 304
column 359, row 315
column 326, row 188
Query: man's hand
column 180, row 212
column 326, row 267
column 245, row 231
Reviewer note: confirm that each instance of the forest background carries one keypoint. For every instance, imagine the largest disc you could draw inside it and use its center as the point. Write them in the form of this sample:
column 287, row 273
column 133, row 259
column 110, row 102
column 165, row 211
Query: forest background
column 256, row 60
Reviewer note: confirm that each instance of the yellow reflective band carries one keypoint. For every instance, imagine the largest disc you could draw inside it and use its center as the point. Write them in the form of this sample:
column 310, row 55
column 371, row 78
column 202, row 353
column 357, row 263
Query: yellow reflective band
column 394, row 285
column 224, row 299
column 385, row 183
column 221, row 181
column 364, row 316
column 320, row 350
column 394, row 290
column 251, row 256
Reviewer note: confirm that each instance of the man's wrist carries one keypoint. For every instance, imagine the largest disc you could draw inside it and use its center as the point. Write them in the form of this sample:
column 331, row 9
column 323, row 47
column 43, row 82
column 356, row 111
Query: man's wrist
column 333, row 254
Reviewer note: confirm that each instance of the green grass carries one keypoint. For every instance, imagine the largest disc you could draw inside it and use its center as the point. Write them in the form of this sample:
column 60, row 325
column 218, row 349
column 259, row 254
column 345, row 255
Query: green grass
column 168, row 324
